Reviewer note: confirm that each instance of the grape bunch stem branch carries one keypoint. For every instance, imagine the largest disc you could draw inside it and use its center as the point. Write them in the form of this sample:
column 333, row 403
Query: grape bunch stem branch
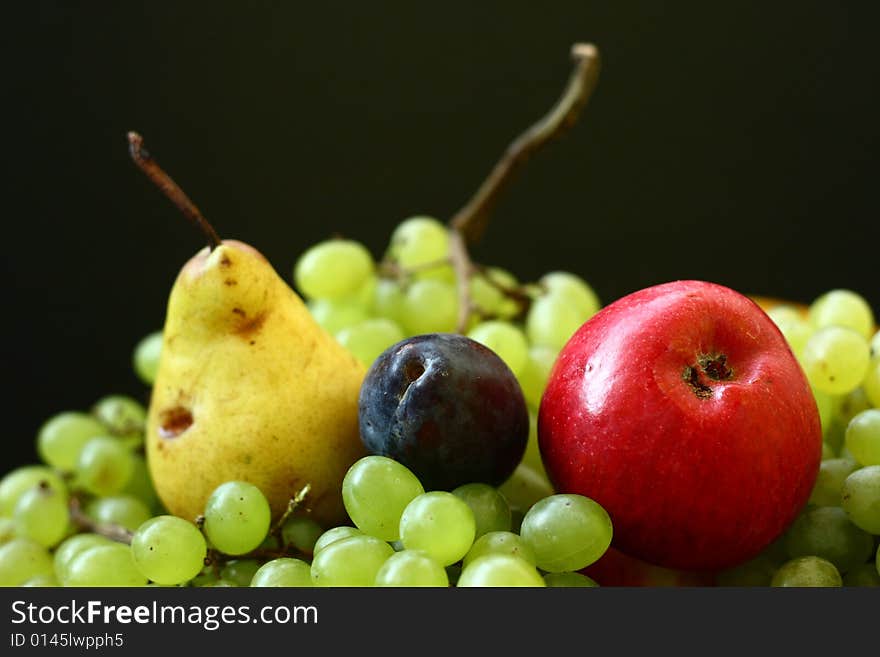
column 469, row 223
column 109, row 530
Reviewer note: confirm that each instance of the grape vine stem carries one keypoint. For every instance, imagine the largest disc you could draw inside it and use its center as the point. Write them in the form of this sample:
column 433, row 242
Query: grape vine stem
column 468, row 224
column 109, row 530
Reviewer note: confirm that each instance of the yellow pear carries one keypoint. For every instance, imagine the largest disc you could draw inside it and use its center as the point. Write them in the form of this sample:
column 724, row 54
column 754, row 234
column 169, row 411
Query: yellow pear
column 249, row 387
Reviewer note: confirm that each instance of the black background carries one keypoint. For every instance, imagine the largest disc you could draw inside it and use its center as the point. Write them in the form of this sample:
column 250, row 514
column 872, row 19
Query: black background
column 733, row 142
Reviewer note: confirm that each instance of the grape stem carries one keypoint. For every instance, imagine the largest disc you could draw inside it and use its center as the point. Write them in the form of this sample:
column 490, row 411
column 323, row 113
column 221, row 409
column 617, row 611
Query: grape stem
column 167, row 186
column 109, row 530
column 292, row 504
column 469, row 223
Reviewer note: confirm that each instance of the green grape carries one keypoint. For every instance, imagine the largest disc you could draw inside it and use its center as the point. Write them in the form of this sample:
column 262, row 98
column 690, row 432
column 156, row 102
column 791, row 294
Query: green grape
column 506, row 340
column 411, row 568
column 862, row 437
column 430, row 306
column 104, row 565
column 352, row 561
column 364, row 295
column 237, row 517
column 500, row 570
column 525, row 487
column 140, row 485
column 17, row 481
column 568, row 580
column 835, row 359
column 123, row 510
column 574, row 290
column 21, row 559
column 420, row 241
column 875, row 344
column 440, row 524
column 369, row 338
column 807, row 572
column 488, row 292
column 827, row 532
column 271, row 542
column 239, row 572
column 842, row 308
column 146, row 357
column 755, row 572
column 41, row 515
column 375, row 491
column 532, row 456
column 500, row 543
column 829, row 481
column 567, row 532
column 122, row 415
column 104, row 466
column 332, row 269
column 863, row 575
column 486, row 296
column 871, row 383
column 860, row 498
column 552, row 320
column 333, row 535
column 825, row 405
column 301, row 532
column 535, row 373
column 334, row 315
column 62, row 438
column 204, row 579
column 283, row 572
column 7, row 529
column 845, row 408
column 168, row 550
column 70, row 548
column 41, row 581
column 388, row 300
column 491, row 511
column 794, row 328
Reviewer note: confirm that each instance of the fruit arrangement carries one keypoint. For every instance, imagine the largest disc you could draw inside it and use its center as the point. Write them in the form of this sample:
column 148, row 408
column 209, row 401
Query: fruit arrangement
column 424, row 420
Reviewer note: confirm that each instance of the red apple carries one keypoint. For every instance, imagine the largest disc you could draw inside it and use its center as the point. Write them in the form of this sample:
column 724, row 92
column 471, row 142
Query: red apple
column 682, row 411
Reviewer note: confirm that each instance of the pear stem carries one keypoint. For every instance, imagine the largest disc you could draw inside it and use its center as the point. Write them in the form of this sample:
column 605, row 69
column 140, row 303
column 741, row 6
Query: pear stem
column 471, row 221
column 167, row 186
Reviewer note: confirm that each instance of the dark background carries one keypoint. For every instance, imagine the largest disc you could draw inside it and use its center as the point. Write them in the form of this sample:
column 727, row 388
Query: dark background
column 734, row 142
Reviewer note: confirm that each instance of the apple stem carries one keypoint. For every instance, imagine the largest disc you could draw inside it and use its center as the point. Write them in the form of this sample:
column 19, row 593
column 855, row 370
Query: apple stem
column 471, row 221
column 163, row 181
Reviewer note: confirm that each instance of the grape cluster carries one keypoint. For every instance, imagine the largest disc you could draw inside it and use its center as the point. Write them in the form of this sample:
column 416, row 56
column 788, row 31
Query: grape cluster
column 88, row 514
column 835, row 539
column 369, row 306
column 402, row 536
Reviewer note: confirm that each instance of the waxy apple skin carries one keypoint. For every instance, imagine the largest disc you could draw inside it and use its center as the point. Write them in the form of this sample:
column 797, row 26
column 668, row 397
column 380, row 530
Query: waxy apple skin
column 681, row 410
